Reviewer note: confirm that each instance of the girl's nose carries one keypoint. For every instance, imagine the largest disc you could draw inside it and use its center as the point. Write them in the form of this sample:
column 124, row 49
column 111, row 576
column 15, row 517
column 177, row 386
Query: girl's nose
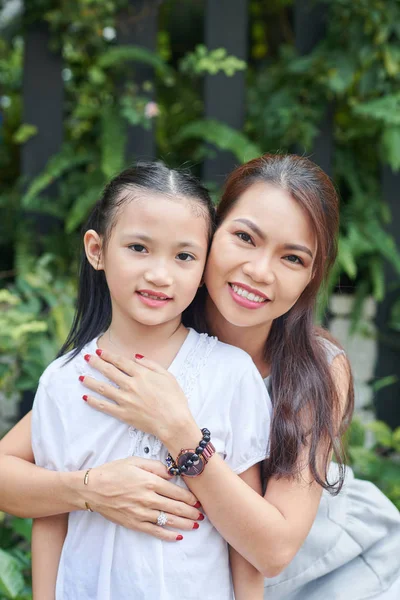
column 159, row 276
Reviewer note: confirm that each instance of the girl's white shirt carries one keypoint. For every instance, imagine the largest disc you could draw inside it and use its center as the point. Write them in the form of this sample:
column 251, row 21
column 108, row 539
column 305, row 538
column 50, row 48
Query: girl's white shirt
column 104, row 561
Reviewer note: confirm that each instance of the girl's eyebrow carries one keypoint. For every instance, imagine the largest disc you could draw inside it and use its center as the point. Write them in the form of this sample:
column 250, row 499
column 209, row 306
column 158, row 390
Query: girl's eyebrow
column 146, row 238
column 262, row 235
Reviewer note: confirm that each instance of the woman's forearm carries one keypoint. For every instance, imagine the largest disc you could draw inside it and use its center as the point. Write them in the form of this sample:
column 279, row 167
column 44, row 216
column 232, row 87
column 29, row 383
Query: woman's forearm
column 31, row 492
column 267, row 531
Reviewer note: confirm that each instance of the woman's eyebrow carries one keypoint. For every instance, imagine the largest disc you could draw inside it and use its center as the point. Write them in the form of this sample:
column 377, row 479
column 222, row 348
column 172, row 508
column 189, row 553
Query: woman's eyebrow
column 251, row 226
column 298, row 247
column 262, row 235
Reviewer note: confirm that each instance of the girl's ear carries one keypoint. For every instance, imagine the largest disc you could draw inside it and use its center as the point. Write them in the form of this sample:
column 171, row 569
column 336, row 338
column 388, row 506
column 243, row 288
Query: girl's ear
column 93, row 249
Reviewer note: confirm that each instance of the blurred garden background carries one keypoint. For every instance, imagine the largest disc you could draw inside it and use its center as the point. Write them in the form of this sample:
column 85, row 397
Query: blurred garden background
column 88, row 86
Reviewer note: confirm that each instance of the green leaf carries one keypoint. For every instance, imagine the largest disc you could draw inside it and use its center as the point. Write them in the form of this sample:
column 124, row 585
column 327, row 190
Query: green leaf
column 383, row 382
column 382, row 433
column 58, row 165
column 377, row 278
column 121, row 54
column 23, row 527
column 82, row 205
column 346, row 258
column 11, row 579
column 24, row 133
column 222, row 136
column 385, row 109
column 391, row 146
column 396, row 439
column 113, row 139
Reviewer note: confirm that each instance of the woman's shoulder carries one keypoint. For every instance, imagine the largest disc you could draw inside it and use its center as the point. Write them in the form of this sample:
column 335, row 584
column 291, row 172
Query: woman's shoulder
column 331, row 347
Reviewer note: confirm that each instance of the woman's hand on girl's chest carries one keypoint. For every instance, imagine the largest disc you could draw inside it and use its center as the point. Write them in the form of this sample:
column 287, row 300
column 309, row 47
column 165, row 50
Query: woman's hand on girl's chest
column 148, row 397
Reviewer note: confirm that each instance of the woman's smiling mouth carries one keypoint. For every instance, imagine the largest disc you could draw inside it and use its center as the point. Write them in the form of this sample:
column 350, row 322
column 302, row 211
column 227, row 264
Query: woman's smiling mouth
column 246, row 296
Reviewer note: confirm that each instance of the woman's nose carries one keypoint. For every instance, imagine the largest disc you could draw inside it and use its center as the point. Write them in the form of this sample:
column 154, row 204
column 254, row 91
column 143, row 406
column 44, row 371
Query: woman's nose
column 260, row 270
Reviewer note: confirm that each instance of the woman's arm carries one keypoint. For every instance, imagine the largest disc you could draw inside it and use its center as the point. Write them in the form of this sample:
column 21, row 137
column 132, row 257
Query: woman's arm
column 48, row 535
column 267, row 531
column 130, row 492
column 247, row 581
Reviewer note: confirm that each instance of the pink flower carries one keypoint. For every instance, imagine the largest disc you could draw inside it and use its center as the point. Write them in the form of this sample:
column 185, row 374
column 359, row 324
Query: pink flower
column 151, row 110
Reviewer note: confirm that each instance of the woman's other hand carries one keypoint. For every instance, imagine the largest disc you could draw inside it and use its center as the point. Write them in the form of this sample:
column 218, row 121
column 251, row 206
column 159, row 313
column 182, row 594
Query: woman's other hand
column 148, row 396
column 132, row 491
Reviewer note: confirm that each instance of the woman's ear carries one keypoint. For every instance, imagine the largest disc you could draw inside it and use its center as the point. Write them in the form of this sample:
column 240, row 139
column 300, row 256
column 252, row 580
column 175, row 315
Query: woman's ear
column 94, row 249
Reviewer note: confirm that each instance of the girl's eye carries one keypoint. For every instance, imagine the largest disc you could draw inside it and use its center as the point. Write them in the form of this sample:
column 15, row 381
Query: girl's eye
column 185, row 257
column 245, row 237
column 293, row 258
column 138, row 248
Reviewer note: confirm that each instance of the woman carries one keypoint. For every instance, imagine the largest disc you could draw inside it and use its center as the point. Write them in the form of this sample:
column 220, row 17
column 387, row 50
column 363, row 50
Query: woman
column 275, row 243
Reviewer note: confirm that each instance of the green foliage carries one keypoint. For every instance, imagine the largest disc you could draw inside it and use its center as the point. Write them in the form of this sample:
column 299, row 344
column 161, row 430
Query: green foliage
column 203, row 61
column 379, row 463
column 35, row 316
column 15, row 536
column 221, row 136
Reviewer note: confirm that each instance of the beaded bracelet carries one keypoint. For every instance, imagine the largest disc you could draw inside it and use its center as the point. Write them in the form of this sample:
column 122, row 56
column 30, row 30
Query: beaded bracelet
column 191, row 463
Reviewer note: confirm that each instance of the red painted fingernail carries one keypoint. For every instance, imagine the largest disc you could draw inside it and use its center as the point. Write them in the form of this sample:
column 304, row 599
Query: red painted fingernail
column 200, row 517
column 81, row 377
column 139, row 356
column 87, row 357
column 84, row 398
column 198, row 504
column 179, row 538
column 99, row 352
column 195, row 526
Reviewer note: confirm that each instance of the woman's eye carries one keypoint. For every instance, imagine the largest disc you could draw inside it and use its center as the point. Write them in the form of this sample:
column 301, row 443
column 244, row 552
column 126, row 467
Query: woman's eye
column 138, row 248
column 294, row 259
column 245, row 237
column 185, row 257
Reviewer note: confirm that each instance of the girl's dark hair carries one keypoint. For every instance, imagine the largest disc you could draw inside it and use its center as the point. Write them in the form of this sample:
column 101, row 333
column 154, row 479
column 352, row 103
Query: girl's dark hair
column 307, row 412
column 93, row 311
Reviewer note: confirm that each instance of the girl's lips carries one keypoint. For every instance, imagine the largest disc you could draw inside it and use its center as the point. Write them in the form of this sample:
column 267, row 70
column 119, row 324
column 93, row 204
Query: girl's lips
column 152, row 302
column 245, row 302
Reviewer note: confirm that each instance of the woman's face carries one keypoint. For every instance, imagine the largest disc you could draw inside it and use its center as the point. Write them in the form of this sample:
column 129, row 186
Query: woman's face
column 261, row 258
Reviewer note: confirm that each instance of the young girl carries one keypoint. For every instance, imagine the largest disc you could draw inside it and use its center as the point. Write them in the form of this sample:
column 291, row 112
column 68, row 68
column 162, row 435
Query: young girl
column 145, row 250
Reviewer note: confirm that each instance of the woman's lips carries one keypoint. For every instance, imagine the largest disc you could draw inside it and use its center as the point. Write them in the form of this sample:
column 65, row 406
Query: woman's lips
column 245, row 302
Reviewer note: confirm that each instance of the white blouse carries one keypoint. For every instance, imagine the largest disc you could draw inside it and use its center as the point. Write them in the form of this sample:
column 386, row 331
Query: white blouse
column 104, row 561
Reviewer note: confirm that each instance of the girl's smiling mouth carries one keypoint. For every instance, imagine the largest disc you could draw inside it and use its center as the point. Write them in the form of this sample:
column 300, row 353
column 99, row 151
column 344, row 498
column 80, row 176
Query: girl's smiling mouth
column 152, row 298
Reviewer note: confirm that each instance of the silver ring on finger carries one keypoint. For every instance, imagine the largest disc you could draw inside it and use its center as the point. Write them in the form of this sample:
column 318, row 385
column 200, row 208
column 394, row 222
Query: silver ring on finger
column 162, row 519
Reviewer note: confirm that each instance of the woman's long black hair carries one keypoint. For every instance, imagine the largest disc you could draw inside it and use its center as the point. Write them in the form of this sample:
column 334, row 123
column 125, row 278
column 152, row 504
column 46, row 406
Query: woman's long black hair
column 93, row 310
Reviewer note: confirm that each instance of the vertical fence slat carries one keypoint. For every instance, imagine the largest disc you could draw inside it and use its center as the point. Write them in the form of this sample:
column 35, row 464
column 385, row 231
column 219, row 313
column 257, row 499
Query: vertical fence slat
column 43, row 95
column 138, row 26
column 310, row 28
column 388, row 363
column 224, row 97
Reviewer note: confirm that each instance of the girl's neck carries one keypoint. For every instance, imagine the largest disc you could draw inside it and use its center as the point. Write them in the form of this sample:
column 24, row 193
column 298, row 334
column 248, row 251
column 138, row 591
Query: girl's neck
column 250, row 339
column 157, row 342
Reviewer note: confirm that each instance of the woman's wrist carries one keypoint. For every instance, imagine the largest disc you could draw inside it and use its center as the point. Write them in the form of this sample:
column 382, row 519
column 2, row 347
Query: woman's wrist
column 72, row 489
column 184, row 434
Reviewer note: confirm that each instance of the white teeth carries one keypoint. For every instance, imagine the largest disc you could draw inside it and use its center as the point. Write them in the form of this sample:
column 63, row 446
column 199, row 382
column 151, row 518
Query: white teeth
column 246, row 294
column 152, row 297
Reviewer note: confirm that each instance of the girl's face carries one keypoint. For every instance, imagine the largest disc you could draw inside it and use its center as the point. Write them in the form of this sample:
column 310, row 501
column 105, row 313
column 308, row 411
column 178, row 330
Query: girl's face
column 154, row 259
column 261, row 258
